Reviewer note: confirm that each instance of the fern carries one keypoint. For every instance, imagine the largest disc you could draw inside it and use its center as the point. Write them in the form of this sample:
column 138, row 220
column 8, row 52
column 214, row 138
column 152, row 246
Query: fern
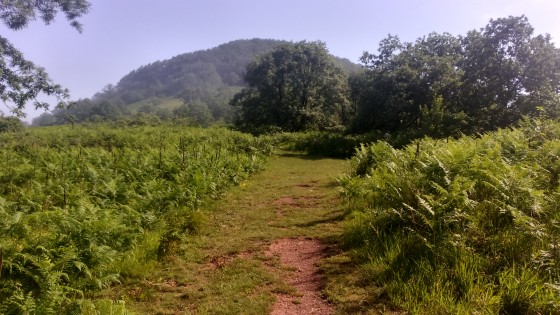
column 82, row 206
column 494, row 197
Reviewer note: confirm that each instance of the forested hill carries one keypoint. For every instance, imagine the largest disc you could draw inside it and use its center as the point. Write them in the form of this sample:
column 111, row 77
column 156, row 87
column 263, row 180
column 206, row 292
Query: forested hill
column 196, row 86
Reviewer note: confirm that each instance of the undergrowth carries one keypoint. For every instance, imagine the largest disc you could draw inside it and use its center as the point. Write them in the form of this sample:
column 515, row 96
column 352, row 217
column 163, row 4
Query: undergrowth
column 461, row 226
column 82, row 207
column 321, row 143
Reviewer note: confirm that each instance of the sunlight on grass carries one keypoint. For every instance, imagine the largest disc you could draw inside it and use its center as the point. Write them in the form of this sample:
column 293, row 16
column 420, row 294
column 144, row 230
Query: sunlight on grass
column 222, row 268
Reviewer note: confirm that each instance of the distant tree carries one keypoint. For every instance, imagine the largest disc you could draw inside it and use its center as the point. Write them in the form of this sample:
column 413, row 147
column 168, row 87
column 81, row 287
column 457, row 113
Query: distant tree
column 199, row 113
column 21, row 80
column 45, row 119
column 10, row 124
column 295, row 87
column 404, row 78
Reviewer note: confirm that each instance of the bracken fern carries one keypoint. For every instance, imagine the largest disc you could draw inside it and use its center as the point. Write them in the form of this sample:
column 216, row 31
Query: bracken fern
column 449, row 227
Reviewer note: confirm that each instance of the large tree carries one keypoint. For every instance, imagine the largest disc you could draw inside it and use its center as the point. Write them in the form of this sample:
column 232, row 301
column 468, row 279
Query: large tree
column 295, row 87
column 508, row 72
column 404, row 80
column 21, row 81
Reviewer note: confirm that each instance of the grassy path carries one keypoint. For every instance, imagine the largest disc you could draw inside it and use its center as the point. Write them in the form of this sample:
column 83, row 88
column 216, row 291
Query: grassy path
column 225, row 267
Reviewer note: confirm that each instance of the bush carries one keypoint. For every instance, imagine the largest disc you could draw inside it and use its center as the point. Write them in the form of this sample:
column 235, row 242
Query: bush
column 329, row 144
column 10, row 124
column 82, row 206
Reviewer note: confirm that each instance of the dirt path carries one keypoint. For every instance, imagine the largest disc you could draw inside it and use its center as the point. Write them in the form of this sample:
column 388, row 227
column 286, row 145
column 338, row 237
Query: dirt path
column 302, row 255
column 258, row 248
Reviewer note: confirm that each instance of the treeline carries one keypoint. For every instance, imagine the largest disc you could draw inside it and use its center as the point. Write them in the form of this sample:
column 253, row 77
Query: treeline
column 443, row 85
column 440, row 85
column 194, row 88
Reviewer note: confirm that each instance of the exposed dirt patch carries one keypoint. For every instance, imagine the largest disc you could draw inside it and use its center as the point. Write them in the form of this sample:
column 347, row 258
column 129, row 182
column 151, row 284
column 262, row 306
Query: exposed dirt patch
column 302, row 255
column 310, row 184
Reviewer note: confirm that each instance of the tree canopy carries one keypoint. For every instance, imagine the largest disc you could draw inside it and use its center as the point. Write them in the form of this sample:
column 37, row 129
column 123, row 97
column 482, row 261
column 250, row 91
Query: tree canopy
column 443, row 85
column 295, row 87
column 21, row 81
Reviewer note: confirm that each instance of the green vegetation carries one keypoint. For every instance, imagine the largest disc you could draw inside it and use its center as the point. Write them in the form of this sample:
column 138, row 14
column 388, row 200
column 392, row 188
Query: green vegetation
column 453, row 210
column 438, row 86
column 83, row 207
column 464, row 226
column 321, row 143
column 442, row 85
column 10, row 124
column 295, row 87
column 202, row 83
column 223, row 269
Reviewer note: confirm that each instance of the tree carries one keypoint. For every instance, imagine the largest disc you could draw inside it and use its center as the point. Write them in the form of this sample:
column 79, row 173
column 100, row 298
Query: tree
column 295, row 87
column 10, row 124
column 443, row 85
column 21, row 81
column 403, row 79
column 508, row 73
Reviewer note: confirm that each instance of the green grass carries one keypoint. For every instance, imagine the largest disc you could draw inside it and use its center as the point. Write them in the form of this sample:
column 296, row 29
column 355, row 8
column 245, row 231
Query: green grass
column 222, row 269
column 459, row 227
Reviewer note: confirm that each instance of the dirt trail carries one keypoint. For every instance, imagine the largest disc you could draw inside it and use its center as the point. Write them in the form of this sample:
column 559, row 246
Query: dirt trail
column 302, row 255
column 258, row 248
column 309, row 192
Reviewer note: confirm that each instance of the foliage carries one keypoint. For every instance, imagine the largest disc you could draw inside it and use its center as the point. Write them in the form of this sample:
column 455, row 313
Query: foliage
column 508, row 72
column 442, row 85
column 21, row 80
column 439, row 85
column 10, row 124
column 206, row 80
column 463, row 226
column 321, row 143
column 295, row 87
column 82, row 207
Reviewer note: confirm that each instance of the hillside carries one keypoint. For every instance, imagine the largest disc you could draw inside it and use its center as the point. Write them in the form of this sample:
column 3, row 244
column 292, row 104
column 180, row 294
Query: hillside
column 196, row 85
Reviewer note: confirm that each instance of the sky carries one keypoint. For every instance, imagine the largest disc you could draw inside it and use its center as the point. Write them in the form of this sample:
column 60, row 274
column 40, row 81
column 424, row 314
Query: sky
column 122, row 35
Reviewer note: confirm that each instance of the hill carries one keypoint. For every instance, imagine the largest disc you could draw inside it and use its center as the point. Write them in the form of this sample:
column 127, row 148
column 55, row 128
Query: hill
column 195, row 86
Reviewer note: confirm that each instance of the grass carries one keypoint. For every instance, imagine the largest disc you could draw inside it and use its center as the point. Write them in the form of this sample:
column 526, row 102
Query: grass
column 465, row 226
column 222, row 269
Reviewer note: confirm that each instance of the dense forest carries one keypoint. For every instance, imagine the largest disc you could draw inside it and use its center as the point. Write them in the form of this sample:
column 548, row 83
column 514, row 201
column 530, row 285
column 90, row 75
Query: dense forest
column 193, row 87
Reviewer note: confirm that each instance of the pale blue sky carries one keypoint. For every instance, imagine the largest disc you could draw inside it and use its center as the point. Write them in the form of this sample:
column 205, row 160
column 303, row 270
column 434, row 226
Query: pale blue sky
column 121, row 35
